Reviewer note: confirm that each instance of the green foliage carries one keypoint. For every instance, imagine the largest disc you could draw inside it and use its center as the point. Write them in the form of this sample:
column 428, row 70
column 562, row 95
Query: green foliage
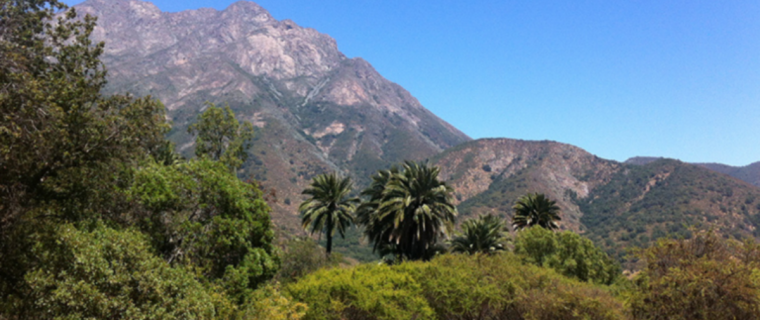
column 363, row 292
column 703, row 278
column 486, row 234
column 535, row 209
column 86, row 217
column 409, row 210
column 568, row 253
column 268, row 303
column 61, row 142
column 302, row 256
column 108, row 274
column 453, row 287
column 199, row 214
column 329, row 207
column 221, row 137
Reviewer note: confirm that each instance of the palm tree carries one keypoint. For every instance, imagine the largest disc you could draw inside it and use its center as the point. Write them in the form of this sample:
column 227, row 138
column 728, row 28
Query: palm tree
column 408, row 210
column 366, row 214
column 486, row 234
column 535, row 209
column 329, row 208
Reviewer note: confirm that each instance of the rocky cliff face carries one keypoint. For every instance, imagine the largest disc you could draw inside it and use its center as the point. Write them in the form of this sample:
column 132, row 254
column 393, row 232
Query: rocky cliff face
column 316, row 109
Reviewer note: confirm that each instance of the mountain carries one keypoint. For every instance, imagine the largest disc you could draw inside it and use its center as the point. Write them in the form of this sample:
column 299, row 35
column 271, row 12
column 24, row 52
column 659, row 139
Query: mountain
column 315, row 109
column 749, row 173
column 618, row 205
column 490, row 174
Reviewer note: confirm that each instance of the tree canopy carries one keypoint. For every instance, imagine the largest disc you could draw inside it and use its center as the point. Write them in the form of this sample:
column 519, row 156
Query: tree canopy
column 329, row 207
column 220, row 136
column 535, row 209
column 99, row 218
column 484, row 234
column 409, row 210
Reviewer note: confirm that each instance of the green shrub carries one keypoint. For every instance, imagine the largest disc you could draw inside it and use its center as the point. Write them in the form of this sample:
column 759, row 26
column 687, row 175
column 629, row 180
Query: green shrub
column 706, row 277
column 568, row 253
column 453, row 287
column 268, row 303
column 302, row 256
column 363, row 292
column 108, row 274
column 502, row 287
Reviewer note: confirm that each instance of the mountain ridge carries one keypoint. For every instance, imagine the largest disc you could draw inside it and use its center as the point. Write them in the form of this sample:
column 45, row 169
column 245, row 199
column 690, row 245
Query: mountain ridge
column 315, row 110
column 749, row 173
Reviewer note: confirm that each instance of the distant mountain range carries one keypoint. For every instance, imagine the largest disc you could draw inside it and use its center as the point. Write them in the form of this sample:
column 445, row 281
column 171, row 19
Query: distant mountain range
column 749, row 173
column 318, row 111
column 617, row 205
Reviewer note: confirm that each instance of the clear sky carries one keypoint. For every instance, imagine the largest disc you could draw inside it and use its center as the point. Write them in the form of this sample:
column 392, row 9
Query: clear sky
column 678, row 79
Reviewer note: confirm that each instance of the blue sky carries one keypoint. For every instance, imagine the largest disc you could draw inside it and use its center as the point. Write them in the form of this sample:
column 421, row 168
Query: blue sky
column 678, row 79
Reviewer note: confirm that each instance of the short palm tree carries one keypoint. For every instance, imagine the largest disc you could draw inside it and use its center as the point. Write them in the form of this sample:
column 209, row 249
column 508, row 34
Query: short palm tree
column 485, row 234
column 329, row 208
column 408, row 210
column 535, row 209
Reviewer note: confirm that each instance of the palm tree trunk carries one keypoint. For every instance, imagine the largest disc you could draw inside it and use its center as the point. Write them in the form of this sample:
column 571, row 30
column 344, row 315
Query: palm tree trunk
column 329, row 237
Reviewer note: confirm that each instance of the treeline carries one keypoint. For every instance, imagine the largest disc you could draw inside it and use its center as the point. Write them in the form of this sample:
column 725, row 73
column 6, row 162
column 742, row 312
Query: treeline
column 101, row 219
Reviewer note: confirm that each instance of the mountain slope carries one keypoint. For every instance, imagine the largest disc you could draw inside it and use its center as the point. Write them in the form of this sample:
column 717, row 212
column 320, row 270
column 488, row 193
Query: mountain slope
column 617, row 205
column 315, row 109
column 490, row 174
column 749, row 173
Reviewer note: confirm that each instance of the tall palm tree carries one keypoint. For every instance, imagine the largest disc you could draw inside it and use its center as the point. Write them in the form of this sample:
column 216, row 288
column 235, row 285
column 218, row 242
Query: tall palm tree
column 535, row 209
column 329, row 208
column 485, row 234
column 408, row 210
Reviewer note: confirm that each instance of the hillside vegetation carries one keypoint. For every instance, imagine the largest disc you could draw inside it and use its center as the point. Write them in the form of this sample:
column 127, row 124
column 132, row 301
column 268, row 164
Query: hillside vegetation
column 101, row 217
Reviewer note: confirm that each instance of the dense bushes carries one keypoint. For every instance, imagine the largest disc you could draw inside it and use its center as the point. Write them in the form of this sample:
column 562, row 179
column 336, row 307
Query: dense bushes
column 703, row 278
column 104, row 273
column 364, row 292
column 568, row 253
column 452, row 287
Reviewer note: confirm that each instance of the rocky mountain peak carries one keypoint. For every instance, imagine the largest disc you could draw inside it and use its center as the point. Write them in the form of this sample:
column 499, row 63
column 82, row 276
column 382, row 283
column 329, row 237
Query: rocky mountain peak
column 248, row 11
column 317, row 110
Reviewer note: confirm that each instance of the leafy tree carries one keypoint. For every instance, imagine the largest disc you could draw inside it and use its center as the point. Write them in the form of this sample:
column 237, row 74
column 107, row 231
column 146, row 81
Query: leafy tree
column 200, row 214
column 535, row 209
column 568, row 253
column 409, row 210
column 65, row 150
column 60, row 140
column 103, row 273
column 221, row 137
column 329, row 207
column 486, row 234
